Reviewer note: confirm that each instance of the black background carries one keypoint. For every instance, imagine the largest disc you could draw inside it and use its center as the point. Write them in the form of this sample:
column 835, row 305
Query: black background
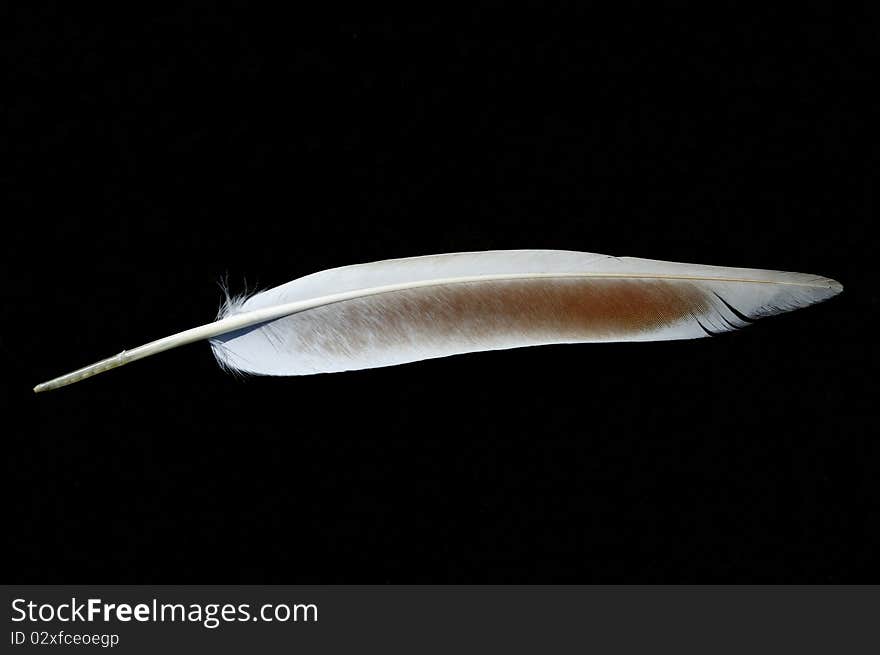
column 148, row 154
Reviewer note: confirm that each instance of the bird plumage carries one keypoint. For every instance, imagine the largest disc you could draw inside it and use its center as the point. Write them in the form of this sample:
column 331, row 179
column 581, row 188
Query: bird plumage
column 405, row 310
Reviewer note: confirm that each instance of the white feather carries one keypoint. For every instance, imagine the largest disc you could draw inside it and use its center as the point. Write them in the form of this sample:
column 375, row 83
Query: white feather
column 405, row 310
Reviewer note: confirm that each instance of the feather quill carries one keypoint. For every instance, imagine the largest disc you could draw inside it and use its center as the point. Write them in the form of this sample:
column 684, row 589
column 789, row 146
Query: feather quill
column 405, row 310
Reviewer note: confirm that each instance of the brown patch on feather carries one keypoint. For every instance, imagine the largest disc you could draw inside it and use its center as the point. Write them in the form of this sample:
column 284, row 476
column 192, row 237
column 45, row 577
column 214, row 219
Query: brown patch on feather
column 556, row 309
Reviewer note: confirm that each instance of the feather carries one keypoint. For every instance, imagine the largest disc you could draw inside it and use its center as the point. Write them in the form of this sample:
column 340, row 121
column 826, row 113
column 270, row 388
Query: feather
column 405, row 310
